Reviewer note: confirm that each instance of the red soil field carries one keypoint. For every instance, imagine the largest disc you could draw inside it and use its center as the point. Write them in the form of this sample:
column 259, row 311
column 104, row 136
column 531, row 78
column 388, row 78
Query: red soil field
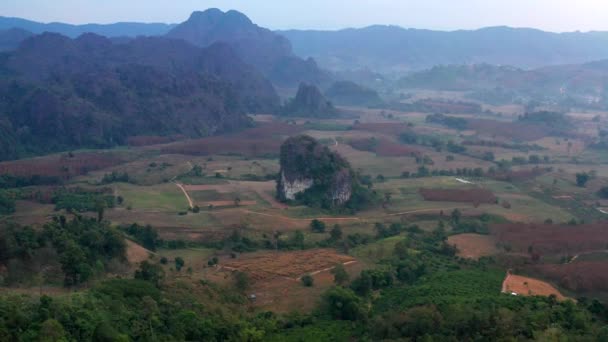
column 62, row 166
column 519, row 175
column 509, row 130
column 389, row 128
column 259, row 141
column 473, row 246
column 142, row 140
column 580, row 276
column 526, row 286
column 552, row 239
column 458, row 195
column 451, row 107
column 267, row 265
column 384, row 147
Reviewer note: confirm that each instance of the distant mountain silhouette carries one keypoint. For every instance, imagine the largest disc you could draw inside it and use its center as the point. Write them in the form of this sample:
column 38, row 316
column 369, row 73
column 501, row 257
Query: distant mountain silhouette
column 60, row 93
column 11, row 38
column 582, row 85
column 395, row 49
column 268, row 51
column 73, row 31
column 347, row 93
column 309, row 102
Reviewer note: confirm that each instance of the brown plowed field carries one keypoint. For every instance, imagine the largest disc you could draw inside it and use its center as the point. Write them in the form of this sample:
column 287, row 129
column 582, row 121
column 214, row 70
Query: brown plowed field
column 61, row 166
column 384, row 147
column 552, row 239
column 509, row 130
column 267, row 265
column 259, row 141
column 389, row 128
column 525, row 286
column 458, row 195
column 579, row 276
column 473, row 246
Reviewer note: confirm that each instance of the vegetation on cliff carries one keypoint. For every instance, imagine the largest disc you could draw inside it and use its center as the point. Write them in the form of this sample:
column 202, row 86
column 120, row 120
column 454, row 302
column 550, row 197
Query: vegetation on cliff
column 315, row 176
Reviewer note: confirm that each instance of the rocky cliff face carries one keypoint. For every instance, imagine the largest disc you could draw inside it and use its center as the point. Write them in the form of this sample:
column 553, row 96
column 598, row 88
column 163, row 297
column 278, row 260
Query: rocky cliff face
column 313, row 173
column 309, row 102
column 267, row 51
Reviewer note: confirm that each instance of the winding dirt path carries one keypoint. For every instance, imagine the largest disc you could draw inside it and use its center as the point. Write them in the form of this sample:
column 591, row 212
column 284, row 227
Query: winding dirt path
column 185, row 194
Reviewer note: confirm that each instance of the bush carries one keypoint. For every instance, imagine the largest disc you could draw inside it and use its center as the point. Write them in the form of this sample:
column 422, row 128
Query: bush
column 308, row 280
column 317, row 226
column 343, row 304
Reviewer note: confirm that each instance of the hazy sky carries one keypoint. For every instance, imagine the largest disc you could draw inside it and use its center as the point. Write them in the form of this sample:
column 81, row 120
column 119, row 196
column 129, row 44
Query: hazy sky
column 551, row 15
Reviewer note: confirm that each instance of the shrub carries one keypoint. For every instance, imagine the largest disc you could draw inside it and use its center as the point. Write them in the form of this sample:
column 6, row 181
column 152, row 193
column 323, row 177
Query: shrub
column 308, row 280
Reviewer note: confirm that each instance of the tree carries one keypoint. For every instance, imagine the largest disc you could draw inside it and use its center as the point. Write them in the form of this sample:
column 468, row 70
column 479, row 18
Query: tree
column 582, row 179
column 298, row 239
column 197, row 170
column 341, row 277
column 179, row 263
column 456, row 215
column 52, row 331
column 603, row 193
column 100, row 208
column 343, row 304
column 317, row 226
column 336, row 233
column 401, row 249
column 242, row 281
column 150, row 272
column 308, row 280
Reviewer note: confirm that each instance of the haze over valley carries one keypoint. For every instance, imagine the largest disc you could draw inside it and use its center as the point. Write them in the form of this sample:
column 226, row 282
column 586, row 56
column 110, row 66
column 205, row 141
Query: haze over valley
column 218, row 179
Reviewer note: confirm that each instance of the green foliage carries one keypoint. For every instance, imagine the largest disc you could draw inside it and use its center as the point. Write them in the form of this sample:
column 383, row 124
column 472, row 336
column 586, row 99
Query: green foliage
column 83, row 245
column 308, row 280
column 343, row 304
column 179, row 263
column 144, row 235
column 449, row 121
column 603, row 192
column 317, row 226
column 582, row 179
column 341, row 277
column 115, row 177
column 150, row 272
column 443, row 287
column 79, row 200
column 8, row 181
column 7, row 203
column 336, row 233
column 242, row 281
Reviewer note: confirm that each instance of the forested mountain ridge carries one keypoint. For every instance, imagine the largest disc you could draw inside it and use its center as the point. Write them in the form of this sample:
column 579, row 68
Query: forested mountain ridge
column 11, row 38
column 61, row 93
column 73, row 31
column 576, row 84
column 271, row 53
column 392, row 48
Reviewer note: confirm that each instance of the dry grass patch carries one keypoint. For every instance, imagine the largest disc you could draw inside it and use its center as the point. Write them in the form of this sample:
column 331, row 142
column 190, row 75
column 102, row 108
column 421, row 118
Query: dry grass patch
column 473, row 246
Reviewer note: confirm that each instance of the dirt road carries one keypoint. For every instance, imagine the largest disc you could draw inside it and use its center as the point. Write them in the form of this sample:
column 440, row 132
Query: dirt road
column 190, row 203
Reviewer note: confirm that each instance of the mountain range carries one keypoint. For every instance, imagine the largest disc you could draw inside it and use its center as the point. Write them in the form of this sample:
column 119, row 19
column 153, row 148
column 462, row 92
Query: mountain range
column 60, row 93
column 73, row 31
column 392, row 49
column 583, row 85
column 385, row 49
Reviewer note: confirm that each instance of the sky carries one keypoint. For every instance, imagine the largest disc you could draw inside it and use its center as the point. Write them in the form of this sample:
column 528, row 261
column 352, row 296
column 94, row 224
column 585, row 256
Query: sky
column 548, row 15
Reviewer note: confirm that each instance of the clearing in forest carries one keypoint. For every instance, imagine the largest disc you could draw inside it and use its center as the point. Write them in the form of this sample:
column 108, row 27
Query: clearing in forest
column 525, row 286
column 473, row 246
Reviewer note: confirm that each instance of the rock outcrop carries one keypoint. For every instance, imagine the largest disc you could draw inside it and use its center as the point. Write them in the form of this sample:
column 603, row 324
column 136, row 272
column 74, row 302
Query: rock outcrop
column 346, row 93
column 268, row 51
column 309, row 102
column 312, row 173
